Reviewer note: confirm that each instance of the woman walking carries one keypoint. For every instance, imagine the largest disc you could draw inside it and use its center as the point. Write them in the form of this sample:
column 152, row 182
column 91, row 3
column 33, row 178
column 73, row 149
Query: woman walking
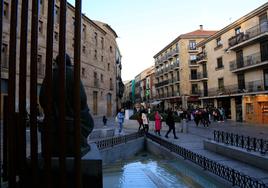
column 120, row 119
column 171, row 124
column 157, row 119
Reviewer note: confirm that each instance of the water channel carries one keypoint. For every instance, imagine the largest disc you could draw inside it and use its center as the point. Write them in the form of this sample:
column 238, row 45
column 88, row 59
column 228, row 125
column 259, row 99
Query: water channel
column 148, row 171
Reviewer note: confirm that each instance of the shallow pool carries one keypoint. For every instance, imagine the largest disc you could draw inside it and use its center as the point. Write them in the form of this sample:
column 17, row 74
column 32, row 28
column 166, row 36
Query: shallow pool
column 148, row 171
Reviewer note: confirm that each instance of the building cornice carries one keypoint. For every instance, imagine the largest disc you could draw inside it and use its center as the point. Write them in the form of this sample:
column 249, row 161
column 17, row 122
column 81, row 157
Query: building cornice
column 70, row 6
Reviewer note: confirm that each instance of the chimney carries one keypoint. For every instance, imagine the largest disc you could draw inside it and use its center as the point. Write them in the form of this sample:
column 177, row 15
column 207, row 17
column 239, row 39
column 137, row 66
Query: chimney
column 201, row 27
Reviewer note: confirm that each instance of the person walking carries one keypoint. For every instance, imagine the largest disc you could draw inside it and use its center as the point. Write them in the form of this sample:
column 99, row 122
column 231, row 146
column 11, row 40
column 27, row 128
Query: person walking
column 171, row 124
column 157, row 119
column 139, row 119
column 145, row 121
column 120, row 119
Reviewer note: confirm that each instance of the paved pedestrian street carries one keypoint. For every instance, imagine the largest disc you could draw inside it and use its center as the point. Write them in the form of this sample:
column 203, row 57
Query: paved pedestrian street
column 193, row 141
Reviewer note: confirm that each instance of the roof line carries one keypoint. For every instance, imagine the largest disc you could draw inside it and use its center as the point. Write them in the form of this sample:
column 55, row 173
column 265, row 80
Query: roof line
column 235, row 23
column 89, row 20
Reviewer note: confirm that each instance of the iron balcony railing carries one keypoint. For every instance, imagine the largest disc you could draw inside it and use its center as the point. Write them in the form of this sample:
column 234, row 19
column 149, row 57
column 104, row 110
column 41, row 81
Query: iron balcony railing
column 163, row 83
column 192, row 48
column 193, row 62
column 252, row 86
column 249, row 34
column 198, row 76
column 202, row 56
column 229, row 174
column 195, row 92
column 111, row 142
column 247, row 61
column 247, row 142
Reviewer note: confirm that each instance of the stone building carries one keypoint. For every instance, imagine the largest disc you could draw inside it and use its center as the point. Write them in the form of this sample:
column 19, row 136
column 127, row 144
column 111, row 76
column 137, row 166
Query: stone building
column 176, row 70
column 99, row 62
column 237, row 68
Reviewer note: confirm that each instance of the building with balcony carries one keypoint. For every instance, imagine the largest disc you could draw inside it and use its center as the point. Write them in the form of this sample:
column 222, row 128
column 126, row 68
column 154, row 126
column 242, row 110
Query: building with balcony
column 237, row 68
column 98, row 55
column 147, row 85
column 177, row 70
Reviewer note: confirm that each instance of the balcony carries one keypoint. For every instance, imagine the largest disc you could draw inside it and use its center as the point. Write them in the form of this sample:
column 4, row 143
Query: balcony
column 249, row 87
column 201, row 57
column 195, row 92
column 192, row 48
column 175, row 52
column 192, row 63
column 250, row 36
column 163, row 83
column 199, row 76
column 248, row 62
column 157, row 62
column 96, row 83
column 176, row 65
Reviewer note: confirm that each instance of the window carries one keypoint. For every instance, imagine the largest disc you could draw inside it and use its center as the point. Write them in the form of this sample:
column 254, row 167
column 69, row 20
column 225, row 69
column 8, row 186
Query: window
column 218, row 42
column 84, row 49
column 6, row 10
column 219, row 63
column 40, row 68
column 108, row 66
column 73, row 18
column 237, row 30
column 194, row 89
column 4, row 59
column 40, row 27
column 111, row 84
column 102, row 58
column 96, row 79
column 193, row 74
column 57, row 15
column 111, row 49
column 265, row 75
column 96, row 38
column 241, row 81
column 95, row 54
column 101, row 77
column 83, row 72
column 249, row 108
column 56, row 36
column 42, row 6
column 263, row 18
column 102, row 43
column 220, row 84
column 84, row 30
column 192, row 45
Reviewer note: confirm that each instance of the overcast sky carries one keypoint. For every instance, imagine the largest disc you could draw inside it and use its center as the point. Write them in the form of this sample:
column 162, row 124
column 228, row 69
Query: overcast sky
column 145, row 27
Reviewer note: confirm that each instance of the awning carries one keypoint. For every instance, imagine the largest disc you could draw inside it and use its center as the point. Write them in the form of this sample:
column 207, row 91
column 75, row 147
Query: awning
column 156, row 102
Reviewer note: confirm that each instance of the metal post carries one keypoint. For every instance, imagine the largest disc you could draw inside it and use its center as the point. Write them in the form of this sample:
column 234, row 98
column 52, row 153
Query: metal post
column 48, row 85
column 22, row 88
column 12, row 94
column 77, row 103
column 1, row 124
column 62, row 67
column 33, row 91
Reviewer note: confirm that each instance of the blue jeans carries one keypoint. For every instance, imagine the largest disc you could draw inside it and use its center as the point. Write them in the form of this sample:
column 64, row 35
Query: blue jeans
column 120, row 126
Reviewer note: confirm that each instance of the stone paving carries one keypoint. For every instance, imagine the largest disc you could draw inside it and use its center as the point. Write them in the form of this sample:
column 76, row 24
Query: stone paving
column 193, row 140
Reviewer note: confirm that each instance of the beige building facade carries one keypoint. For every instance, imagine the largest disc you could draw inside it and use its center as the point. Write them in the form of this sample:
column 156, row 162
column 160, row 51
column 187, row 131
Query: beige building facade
column 236, row 58
column 98, row 56
column 177, row 73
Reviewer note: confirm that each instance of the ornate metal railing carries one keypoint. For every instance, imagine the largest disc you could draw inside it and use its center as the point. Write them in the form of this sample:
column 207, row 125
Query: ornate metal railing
column 247, row 142
column 235, row 177
column 108, row 143
column 250, row 33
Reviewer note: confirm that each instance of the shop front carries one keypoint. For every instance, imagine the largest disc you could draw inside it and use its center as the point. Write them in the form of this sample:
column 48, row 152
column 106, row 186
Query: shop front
column 256, row 109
